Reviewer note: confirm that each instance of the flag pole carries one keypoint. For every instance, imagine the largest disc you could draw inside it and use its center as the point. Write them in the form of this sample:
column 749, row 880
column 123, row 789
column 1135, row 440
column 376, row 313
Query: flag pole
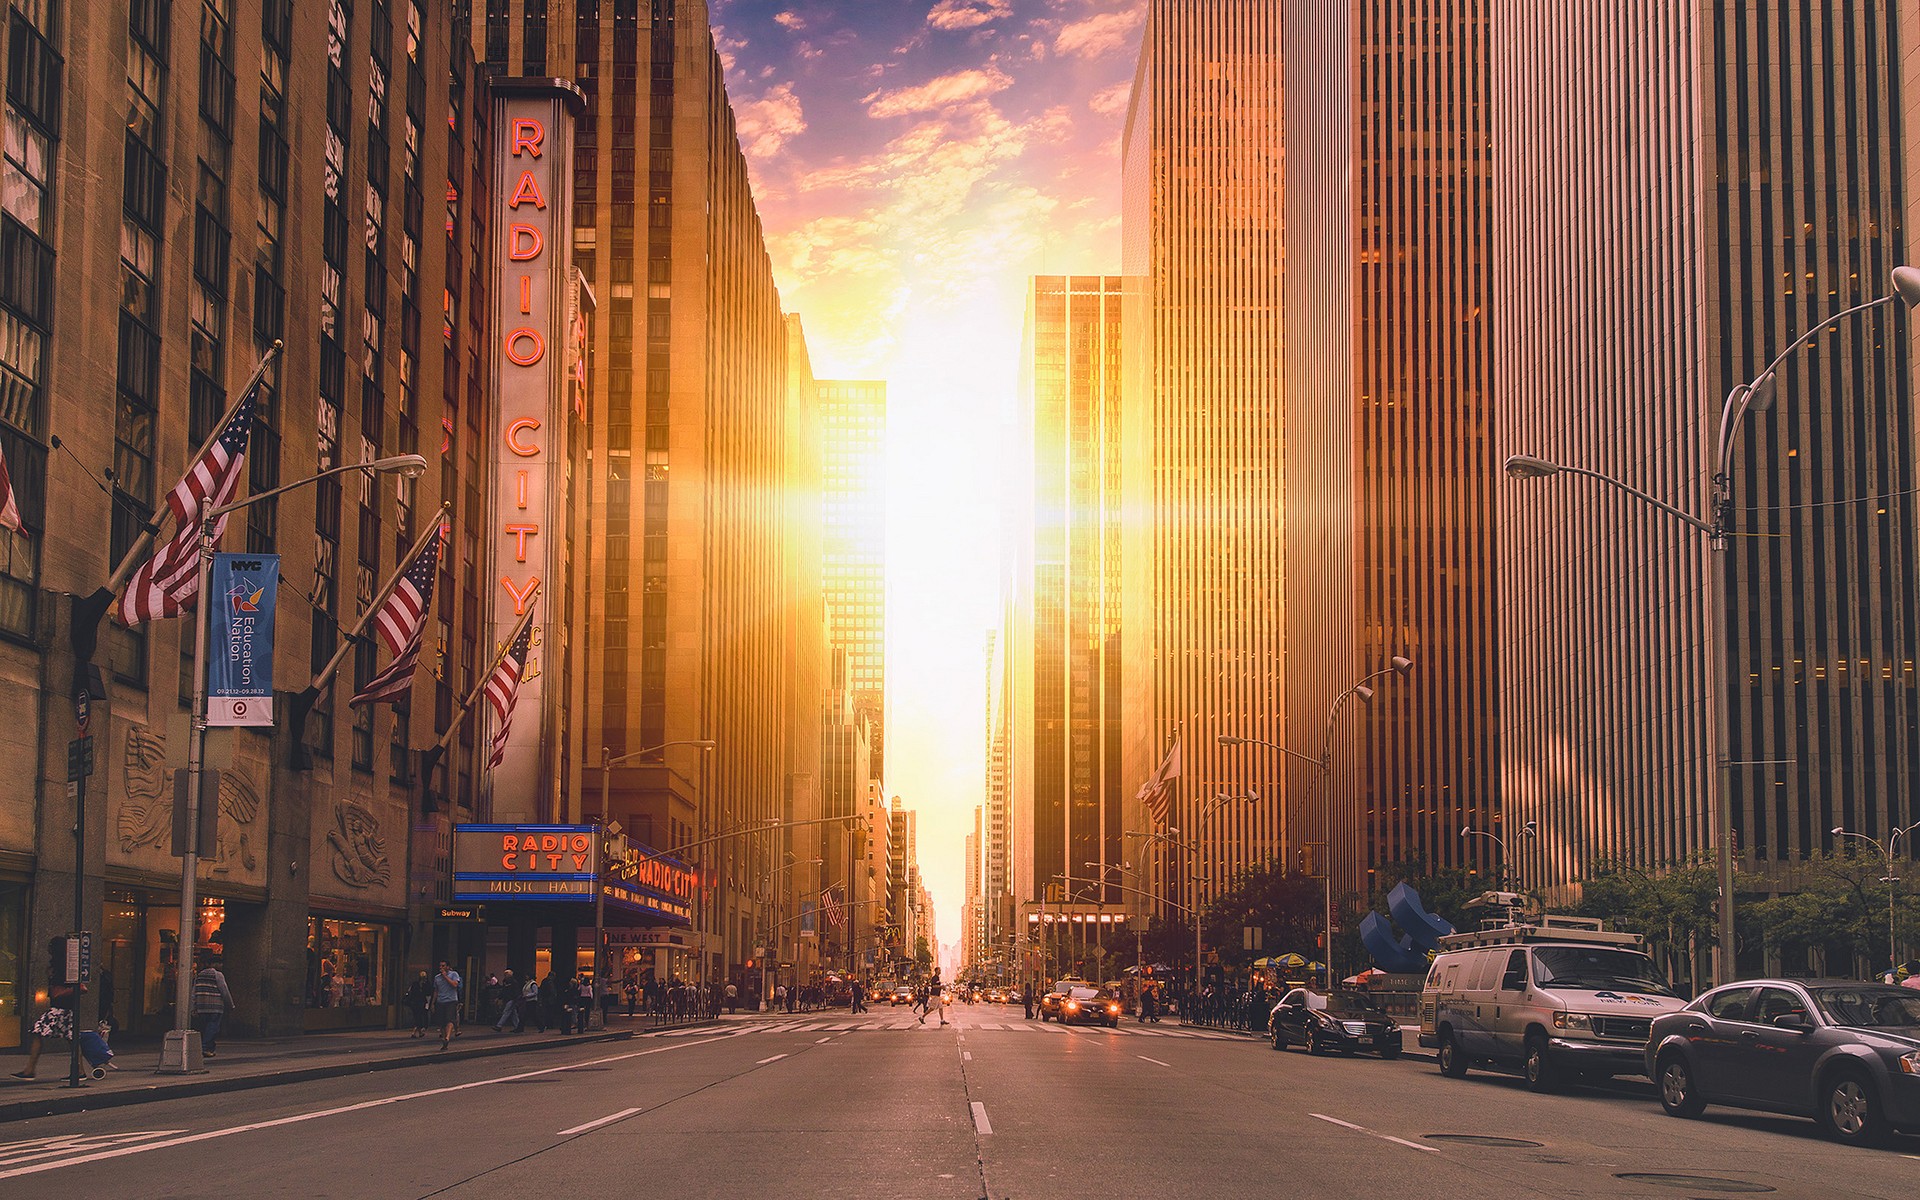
column 325, row 673
column 430, row 757
column 506, row 647
column 84, row 633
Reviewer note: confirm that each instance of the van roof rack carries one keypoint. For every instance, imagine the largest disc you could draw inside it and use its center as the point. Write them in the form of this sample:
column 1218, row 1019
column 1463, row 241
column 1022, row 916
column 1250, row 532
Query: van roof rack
column 1588, row 930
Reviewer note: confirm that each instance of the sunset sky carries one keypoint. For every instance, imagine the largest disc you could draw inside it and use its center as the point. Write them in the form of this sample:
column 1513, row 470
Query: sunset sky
column 915, row 161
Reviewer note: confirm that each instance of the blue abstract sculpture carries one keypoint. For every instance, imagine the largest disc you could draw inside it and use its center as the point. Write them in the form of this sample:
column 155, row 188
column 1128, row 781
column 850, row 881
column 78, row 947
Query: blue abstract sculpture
column 1407, row 953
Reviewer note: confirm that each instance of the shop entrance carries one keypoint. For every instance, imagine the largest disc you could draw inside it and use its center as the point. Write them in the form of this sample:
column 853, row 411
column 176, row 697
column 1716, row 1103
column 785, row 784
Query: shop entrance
column 141, row 957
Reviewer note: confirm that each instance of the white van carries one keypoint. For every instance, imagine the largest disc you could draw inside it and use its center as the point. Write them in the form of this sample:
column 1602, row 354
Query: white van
column 1556, row 1001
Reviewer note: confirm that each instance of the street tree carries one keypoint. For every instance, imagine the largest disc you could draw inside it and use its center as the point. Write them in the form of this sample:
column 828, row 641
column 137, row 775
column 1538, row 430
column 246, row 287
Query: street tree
column 1284, row 905
column 1835, row 904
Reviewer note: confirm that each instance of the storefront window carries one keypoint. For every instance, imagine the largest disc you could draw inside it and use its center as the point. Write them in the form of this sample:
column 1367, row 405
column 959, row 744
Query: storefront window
column 346, row 964
column 13, row 971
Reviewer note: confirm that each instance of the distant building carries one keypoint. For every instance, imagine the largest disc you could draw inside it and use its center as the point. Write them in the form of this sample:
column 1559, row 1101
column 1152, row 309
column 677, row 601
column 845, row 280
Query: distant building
column 1067, row 798
column 853, row 415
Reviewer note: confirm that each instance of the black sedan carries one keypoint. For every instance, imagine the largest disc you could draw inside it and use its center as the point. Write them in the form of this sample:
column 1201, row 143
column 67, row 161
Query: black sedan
column 1345, row 1021
column 1089, row 1006
column 1846, row 1054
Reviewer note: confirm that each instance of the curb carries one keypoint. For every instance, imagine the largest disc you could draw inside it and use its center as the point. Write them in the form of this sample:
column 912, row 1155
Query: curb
column 66, row 1102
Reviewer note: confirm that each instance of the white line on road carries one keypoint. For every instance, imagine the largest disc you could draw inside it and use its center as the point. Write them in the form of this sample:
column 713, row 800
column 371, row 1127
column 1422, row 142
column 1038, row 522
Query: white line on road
column 1385, row 1137
column 622, row 1115
column 763, row 1062
column 1156, row 1062
column 822, row 1041
column 966, row 1056
column 298, row 1118
column 980, row 1122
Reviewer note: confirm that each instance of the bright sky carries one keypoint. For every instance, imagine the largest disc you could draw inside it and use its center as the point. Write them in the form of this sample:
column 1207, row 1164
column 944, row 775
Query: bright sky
column 915, row 161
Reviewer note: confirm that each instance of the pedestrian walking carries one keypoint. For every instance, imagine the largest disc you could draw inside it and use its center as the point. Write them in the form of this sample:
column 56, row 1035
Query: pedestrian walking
column 733, row 998
column 583, row 1000
column 859, row 993
column 509, row 1005
column 631, row 986
column 57, row 1021
column 935, row 1001
column 420, row 1003
column 446, row 1002
column 211, row 1002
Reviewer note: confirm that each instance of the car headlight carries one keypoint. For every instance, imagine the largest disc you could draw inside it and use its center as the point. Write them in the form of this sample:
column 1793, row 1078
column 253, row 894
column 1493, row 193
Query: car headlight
column 1113, row 1008
column 1910, row 1063
column 1074, row 1005
column 1355, row 1027
column 1570, row 1020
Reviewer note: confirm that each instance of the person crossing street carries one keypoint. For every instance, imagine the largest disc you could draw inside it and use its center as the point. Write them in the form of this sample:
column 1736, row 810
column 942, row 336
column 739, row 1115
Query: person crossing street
column 935, row 1001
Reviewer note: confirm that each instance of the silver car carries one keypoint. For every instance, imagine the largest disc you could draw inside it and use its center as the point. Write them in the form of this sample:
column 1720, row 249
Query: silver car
column 1846, row 1054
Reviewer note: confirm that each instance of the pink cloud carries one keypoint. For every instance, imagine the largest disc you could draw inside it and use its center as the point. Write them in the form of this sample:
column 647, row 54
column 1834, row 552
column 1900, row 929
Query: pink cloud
column 968, row 14
column 789, row 20
column 944, row 92
column 766, row 125
column 1110, row 102
column 1098, row 35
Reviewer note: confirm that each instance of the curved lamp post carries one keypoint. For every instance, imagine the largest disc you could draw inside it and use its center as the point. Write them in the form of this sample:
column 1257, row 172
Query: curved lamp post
column 1323, row 770
column 1530, row 830
column 1756, row 393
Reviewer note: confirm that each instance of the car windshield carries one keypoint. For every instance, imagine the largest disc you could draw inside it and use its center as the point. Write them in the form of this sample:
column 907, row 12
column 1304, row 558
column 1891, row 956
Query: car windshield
column 1352, row 1006
column 1885, row 1007
column 1596, row 969
column 1083, row 993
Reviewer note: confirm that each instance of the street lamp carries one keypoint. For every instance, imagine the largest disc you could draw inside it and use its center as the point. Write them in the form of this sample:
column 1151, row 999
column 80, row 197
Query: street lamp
column 1757, row 393
column 1323, row 768
column 1530, row 830
column 772, row 875
column 180, row 1053
column 607, row 762
column 1887, row 849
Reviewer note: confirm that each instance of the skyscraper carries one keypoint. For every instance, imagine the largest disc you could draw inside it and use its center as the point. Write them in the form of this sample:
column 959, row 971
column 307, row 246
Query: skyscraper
column 1640, row 279
column 687, row 427
column 1389, row 420
column 854, row 421
column 1204, row 559
column 1066, row 793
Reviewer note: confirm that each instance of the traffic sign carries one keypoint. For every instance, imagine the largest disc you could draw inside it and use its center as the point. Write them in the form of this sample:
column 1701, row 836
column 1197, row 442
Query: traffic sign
column 79, row 759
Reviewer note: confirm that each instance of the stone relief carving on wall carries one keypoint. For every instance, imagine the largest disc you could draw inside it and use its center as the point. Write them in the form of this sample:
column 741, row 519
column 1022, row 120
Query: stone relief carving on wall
column 359, row 851
column 145, row 816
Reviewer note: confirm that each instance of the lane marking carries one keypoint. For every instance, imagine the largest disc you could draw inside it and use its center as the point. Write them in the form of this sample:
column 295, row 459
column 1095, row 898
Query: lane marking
column 12, row 1153
column 763, row 1062
column 619, row 1116
column 1385, row 1137
column 822, row 1041
column 966, row 1056
column 980, row 1122
column 362, row 1106
column 1156, row 1062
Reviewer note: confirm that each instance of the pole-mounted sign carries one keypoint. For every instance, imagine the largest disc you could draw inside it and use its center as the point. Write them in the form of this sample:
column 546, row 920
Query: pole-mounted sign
column 240, row 665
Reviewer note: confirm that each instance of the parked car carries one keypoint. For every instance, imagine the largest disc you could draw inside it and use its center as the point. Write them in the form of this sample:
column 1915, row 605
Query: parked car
column 1846, row 1054
column 1345, row 1021
column 1558, row 1000
column 1084, row 1005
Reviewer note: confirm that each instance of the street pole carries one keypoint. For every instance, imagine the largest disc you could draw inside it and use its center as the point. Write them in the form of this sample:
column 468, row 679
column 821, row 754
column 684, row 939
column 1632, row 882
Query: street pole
column 1886, row 850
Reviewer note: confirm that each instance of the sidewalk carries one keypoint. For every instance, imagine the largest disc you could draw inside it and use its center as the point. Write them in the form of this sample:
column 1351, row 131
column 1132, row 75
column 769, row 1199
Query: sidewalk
column 268, row 1062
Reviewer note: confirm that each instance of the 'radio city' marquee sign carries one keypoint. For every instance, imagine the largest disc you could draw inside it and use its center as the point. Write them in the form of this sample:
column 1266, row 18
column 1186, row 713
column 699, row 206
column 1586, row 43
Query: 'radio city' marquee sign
column 533, row 198
column 525, row 862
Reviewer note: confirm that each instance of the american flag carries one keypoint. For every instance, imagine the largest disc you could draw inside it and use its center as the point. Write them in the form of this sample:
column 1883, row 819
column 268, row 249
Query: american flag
column 1158, row 788
column 164, row 585
column 503, row 687
column 9, row 507
column 401, row 623
column 836, row 911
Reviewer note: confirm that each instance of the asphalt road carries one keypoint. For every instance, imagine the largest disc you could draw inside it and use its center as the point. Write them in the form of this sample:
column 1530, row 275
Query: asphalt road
column 991, row 1105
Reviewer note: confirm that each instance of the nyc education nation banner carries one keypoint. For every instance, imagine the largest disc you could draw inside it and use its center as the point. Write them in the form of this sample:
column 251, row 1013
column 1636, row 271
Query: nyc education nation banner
column 240, row 644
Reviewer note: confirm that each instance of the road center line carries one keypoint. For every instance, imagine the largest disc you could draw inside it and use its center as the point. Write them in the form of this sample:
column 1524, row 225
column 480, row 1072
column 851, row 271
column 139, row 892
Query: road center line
column 980, row 1122
column 763, row 1062
column 1385, row 1137
column 1156, row 1062
column 622, row 1115
column 966, row 1056
column 299, row 1118
column 822, row 1041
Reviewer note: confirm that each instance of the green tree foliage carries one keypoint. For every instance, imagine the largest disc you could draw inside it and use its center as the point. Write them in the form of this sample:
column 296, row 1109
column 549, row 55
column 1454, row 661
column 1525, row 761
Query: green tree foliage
column 1284, row 905
column 922, row 955
column 1837, row 902
column 1671, row 907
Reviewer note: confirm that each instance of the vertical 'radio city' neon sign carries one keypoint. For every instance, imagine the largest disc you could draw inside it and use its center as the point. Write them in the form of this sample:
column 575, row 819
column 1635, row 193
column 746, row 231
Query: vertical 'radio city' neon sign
column 532, row 133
